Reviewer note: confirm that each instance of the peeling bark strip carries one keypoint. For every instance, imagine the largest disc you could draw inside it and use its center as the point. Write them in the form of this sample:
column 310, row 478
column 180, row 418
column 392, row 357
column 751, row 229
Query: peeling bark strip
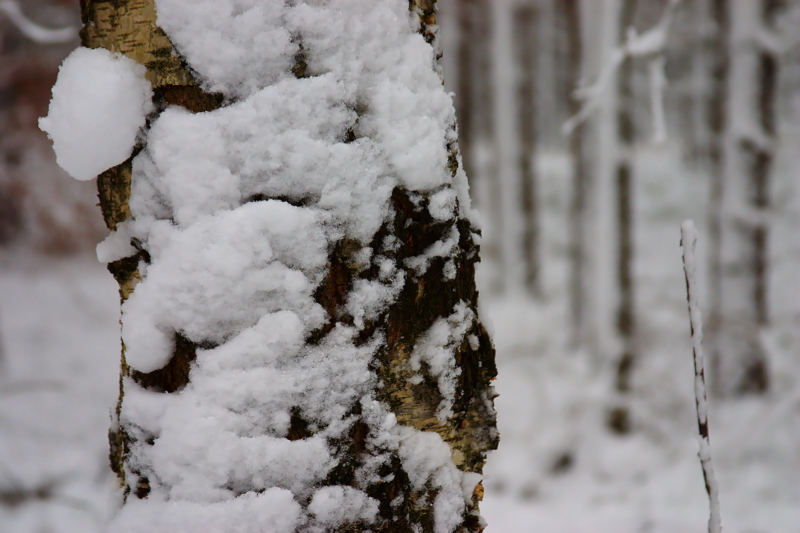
column 434, row 311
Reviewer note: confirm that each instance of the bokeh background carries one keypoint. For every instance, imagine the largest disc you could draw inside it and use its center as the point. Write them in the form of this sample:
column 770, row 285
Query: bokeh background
column 596, row 413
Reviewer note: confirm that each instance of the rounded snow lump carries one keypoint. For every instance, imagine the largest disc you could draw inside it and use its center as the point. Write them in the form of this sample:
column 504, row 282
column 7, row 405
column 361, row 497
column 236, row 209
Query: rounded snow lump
column 100, row 101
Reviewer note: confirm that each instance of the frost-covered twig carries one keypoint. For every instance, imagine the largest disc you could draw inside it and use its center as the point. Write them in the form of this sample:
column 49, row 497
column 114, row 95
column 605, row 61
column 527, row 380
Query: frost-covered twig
column 689, row 242
column 33, row 31
column 650, row 43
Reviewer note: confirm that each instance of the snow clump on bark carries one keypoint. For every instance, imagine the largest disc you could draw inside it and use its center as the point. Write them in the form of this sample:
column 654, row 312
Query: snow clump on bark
column 100, row 102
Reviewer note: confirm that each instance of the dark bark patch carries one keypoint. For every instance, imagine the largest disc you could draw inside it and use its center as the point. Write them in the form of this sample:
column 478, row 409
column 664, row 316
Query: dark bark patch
column 123, row 269
column 333, row 291
column 142, row 488
column 175, row 374
column 190, row 97
column 298, row 426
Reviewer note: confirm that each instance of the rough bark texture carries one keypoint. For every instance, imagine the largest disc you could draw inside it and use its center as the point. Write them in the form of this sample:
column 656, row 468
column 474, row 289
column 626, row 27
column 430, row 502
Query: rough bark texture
column 129, row 27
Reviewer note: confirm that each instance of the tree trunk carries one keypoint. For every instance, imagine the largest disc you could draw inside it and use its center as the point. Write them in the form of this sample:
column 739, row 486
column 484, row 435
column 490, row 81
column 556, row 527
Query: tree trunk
column 476, row 124
column 380, row 416
column 625, row 324
column 569, row 11
column 525, row 51
column 750, row 141
column 717, row 121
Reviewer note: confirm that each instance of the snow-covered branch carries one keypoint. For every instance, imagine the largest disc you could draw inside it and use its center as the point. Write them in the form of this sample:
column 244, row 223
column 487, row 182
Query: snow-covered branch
column 689, row 242
column 33, row 31
column 650, row 43
column 783, row 37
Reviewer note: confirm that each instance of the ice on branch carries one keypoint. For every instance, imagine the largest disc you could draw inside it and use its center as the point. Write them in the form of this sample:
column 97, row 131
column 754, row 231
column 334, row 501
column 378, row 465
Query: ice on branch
column 100, row 102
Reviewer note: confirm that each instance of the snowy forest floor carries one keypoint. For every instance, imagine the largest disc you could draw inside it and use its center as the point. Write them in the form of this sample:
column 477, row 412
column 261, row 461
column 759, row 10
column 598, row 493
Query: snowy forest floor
column 60, row 339
column 557, row 470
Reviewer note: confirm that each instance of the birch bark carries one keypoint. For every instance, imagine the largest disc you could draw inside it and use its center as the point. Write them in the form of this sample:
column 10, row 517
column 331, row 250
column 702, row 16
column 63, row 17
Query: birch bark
column 437, row 291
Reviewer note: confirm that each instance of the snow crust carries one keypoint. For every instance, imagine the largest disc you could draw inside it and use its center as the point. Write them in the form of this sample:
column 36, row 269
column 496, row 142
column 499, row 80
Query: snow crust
column 234, row 214
column 100, row 102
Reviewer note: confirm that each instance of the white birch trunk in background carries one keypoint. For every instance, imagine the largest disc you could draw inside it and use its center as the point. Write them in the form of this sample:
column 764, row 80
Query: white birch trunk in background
column 603, row 236
column 506, row 129
column 474, row 85
column 571, row 15
column 750, row 144
column 716, row 113
column 625, row 315
column 525, row 22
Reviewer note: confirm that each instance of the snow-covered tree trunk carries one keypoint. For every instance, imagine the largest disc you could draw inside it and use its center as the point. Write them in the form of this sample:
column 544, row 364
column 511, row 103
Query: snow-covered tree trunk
column 744, row 199
column 524, row 31
column 295, row 248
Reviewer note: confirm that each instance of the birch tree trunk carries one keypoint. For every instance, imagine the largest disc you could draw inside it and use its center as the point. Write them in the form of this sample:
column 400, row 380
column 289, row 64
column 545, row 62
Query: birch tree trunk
column 719, row 54
column 405, row 451
column 625, row 316
column 475, row 110
column 569, row 11
column 525, row 53
column 751, row 137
